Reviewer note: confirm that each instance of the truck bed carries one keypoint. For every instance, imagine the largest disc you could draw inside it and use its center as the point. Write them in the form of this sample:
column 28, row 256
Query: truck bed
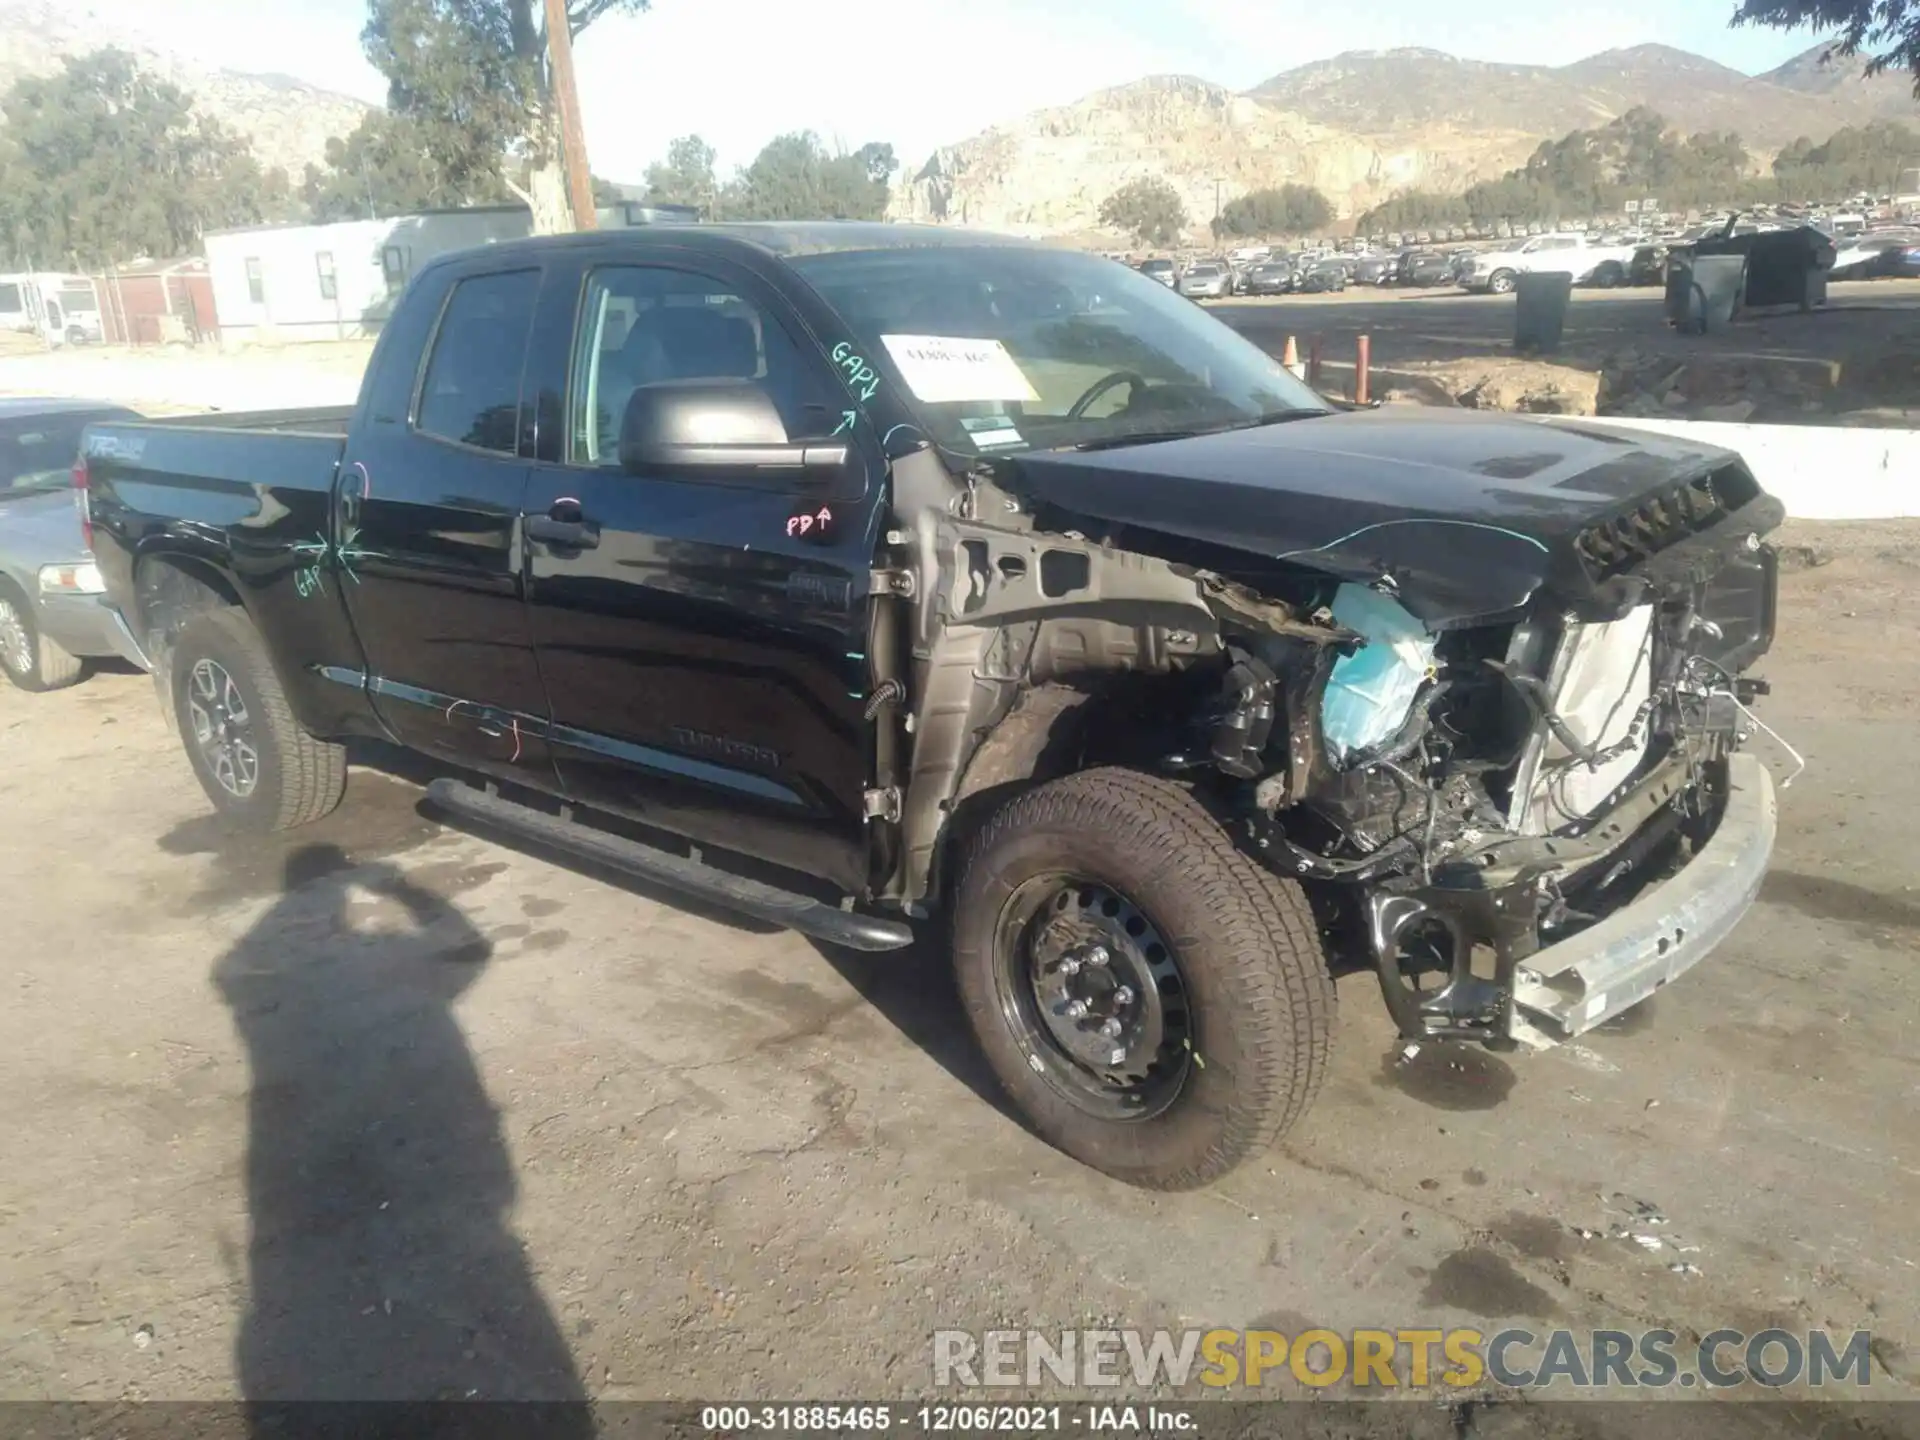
column 319, row 420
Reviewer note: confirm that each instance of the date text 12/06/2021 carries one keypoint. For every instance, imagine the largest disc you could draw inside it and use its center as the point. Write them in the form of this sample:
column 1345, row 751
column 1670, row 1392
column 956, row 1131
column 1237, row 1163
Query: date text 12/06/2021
column 950, row 1419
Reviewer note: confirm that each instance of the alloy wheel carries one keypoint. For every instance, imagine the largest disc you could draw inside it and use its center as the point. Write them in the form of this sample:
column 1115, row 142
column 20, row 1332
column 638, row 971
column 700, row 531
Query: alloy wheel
column 16, row 645
column 223, row 728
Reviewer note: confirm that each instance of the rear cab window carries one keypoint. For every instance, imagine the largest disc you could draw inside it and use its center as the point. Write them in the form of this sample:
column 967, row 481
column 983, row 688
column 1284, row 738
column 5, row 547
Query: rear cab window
column 470, row 388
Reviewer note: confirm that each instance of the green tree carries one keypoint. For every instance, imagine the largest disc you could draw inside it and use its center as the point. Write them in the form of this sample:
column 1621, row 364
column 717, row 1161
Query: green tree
column 1414, row 210
column 1287, row 210
column 1148, row 209
column 385, row 167
column 102, row 162
column 1864, row 158
column 473, row 75
column 685, row 177
column 794, row 177
column 1887, row 32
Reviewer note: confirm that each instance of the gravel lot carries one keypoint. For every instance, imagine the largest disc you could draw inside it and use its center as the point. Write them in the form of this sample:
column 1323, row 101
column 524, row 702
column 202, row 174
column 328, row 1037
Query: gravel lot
column 382, row 1109
column 1854, row 358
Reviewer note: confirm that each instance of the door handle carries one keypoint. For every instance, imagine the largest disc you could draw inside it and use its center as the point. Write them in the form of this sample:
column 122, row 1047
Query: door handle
column 564, row 525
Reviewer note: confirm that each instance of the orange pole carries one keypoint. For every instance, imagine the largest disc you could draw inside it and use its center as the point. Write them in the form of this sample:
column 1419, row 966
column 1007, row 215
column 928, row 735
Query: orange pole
column 1360, row 396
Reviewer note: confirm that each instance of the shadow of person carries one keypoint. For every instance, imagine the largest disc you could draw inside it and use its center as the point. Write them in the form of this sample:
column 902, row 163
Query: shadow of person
column 381, row 1265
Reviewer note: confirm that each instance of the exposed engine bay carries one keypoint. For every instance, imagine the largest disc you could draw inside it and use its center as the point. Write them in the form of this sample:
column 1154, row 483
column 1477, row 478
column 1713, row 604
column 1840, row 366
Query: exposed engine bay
column 1464, row 791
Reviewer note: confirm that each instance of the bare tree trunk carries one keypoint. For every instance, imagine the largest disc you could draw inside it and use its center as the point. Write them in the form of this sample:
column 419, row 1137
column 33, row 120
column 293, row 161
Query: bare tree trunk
column 546, row 188
column 547, row 197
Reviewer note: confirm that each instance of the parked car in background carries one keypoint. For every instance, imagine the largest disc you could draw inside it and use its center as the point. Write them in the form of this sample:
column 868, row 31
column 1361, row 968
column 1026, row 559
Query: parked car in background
column 52, row 616
column 1162, row 270
column 1876, row 254
column 1269, row 277
column 1588, row 262
column 1375, row 269
column 1321, row 276
column 1204, row 280
column 1426, row 268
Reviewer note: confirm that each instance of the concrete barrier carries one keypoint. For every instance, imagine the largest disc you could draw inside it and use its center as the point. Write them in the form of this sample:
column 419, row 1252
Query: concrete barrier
column 1820, row 472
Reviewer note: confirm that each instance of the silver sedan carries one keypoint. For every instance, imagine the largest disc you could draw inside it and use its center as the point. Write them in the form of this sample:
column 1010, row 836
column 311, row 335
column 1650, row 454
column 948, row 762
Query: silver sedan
column 52, row 614
column 1205, row 281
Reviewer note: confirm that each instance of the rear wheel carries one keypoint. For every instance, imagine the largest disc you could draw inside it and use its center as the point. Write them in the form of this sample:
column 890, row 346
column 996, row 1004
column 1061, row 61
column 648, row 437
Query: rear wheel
column 1609, row 275
column 31, row 660
column 1156, row 1004
column 251, row 757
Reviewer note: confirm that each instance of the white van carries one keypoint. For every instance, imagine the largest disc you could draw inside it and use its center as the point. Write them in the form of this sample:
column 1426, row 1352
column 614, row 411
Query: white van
column 62, row 309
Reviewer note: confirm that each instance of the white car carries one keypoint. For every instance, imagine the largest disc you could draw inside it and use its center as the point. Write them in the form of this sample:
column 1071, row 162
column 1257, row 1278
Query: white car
column 1588, row 261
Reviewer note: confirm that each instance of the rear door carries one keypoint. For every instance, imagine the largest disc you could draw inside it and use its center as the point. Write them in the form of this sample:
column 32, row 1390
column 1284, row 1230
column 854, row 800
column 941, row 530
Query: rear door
column 705, row 649
column 428, row 531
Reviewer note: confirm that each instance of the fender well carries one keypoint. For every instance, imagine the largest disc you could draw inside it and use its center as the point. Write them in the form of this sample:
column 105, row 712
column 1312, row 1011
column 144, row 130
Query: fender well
column 169, row 590
column 1015, row 630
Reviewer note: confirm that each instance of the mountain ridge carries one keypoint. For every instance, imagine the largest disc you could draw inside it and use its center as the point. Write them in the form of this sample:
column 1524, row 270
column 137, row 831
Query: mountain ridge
column 286, row 121
column 1366, row 124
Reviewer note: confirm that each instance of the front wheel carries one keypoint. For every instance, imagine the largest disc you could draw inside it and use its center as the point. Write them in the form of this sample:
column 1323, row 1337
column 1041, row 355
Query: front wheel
column 1500, row 282
column 1156, row 1004
column 32, row 661
column 250, row 755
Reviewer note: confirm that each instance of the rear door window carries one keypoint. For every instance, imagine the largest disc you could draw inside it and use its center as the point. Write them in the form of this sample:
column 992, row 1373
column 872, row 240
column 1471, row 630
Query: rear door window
column 470, row 394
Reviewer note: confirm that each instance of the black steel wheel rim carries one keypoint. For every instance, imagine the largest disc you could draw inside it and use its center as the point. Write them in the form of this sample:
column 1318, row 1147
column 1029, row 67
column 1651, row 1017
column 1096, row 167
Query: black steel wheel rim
column 1094, row 996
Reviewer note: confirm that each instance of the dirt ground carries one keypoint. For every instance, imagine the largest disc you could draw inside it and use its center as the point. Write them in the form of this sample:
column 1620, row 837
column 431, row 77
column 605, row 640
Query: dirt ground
column 1851, row 362
column 382, row 1109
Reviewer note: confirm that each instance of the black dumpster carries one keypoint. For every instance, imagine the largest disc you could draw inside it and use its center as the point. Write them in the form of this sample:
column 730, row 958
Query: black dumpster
column 1703, row 291
column 1784, row 267
column 1540, row 312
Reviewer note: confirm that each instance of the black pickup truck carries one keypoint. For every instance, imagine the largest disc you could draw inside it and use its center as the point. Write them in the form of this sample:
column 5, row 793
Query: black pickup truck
column 854, row 575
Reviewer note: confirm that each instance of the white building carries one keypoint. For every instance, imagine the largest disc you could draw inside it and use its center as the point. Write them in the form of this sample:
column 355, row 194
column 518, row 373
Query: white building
column 339, row 281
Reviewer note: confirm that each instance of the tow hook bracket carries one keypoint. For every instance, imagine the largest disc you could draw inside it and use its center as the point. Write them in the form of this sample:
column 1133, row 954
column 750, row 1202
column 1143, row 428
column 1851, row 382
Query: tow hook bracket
column 883, row 804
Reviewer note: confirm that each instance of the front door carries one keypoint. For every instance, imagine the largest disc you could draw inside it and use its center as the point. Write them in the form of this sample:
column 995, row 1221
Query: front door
column 705, row 652
column 427, row 530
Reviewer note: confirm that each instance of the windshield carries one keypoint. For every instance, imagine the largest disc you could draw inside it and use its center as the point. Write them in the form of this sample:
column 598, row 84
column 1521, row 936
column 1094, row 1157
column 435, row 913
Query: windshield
column 38, row 455
column 1004, row 348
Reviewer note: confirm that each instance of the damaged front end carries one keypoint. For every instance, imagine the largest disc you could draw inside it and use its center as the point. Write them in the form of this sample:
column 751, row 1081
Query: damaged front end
column 1514, row 783
column 1531, row 826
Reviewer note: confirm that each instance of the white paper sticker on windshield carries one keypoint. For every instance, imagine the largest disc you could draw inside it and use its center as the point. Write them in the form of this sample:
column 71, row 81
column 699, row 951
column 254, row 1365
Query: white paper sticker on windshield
column 947, row 369
column 990, row 432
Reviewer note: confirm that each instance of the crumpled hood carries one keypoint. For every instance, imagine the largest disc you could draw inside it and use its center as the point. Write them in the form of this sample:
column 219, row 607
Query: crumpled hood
column 38, row 530
column 1470, row 514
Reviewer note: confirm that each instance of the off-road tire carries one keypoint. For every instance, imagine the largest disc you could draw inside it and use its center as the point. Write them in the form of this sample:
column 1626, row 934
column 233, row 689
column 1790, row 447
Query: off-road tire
column 1246, row 943
column 1501, row 282
column 53, row 668
column 300, row 778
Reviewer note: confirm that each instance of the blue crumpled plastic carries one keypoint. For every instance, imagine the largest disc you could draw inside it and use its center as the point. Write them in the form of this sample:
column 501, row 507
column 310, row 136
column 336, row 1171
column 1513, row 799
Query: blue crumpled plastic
column 1371, row 691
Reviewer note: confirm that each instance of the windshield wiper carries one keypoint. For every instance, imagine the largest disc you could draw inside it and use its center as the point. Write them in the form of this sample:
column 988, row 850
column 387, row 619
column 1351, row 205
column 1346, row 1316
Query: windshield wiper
column 1155, row 437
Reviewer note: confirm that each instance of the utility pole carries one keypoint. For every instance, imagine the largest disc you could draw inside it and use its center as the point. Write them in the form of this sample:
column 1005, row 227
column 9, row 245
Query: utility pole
column 573, row 140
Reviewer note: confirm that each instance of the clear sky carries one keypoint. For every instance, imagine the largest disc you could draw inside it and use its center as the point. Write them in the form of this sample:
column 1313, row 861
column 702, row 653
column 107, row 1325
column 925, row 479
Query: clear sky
column 922, row 73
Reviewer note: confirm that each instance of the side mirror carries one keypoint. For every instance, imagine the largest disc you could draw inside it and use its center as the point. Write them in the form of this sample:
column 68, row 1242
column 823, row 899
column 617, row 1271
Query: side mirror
column 721, row 429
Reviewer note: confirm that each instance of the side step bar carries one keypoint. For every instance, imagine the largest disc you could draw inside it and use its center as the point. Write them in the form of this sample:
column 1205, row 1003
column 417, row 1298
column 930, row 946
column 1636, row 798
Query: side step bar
column 691, row 877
